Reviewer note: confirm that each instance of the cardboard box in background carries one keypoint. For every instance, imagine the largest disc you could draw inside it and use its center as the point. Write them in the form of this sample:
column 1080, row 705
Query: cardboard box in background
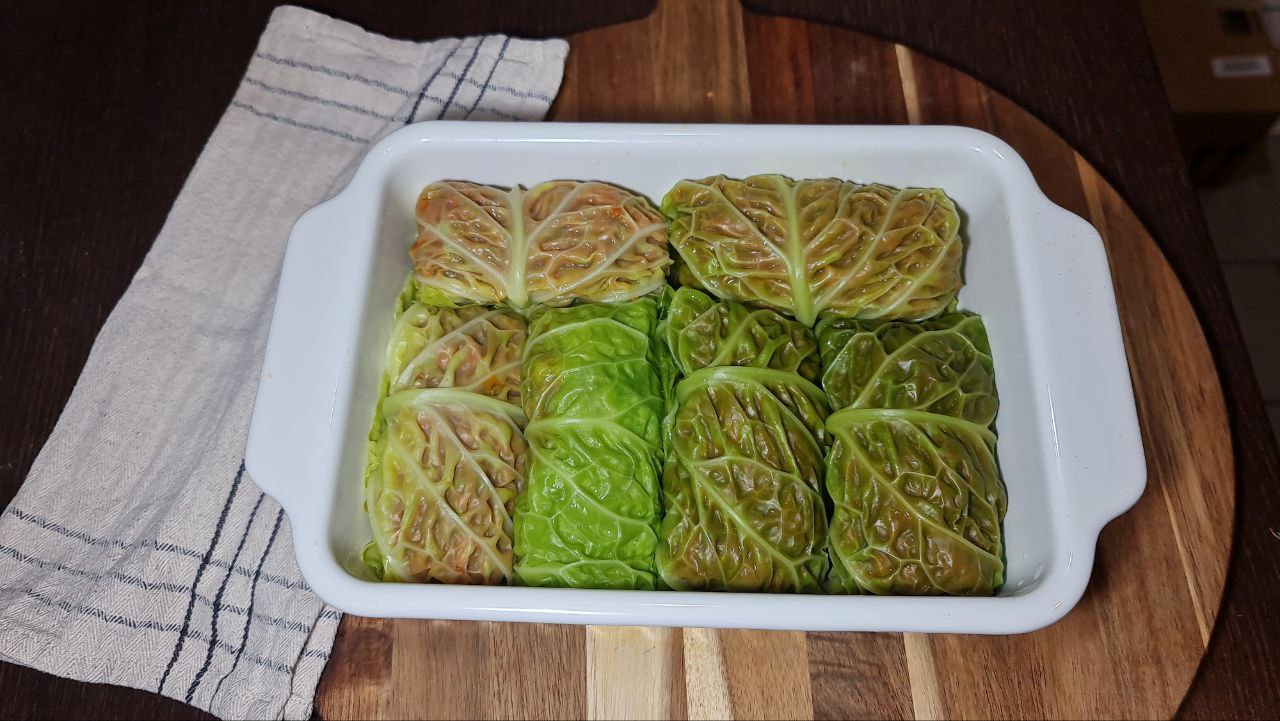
column 1220, row 62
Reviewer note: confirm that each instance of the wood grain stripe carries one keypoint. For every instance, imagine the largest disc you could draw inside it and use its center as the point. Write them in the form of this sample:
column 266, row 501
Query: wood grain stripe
column 1197, row 603
column 706, row 685
column 710, row 76
column 907, row 76
column 359, row 672
column 631, row 672
column 926, row 694
column 529, row 671
column 766, row 675
column 859, row 676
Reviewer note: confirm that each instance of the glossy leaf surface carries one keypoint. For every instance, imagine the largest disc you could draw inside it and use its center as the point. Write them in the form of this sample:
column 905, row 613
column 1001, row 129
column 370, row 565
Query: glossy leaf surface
column 821, row 246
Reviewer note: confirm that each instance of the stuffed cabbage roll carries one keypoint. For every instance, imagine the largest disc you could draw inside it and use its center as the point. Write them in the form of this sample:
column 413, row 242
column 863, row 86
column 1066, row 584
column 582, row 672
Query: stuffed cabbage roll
column 744, row 510
column 918, row 504
column 912, row 468
column 594, row 394
column 942, row 366
column 705, row 333
column 819, row 246
column 551, row 244
column 448, row 468
column 472, row 348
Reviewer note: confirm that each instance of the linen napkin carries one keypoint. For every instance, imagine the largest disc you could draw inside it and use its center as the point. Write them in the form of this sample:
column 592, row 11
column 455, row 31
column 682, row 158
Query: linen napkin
column 139, row 552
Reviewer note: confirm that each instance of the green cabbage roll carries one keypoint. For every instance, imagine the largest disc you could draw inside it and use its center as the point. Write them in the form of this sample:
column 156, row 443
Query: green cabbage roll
column 942, row 366
column 449, row 465
column 742, row 486
column 595, row 397
column 742, row 483
column 551, row 244
column 912, row 468
column 918, row 504
column 705, row 333
column 821, row 246
column 472, row 348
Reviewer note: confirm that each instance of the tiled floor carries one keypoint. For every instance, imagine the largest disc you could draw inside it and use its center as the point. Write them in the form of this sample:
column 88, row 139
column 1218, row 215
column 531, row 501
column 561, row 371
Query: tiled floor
column 1245, row 225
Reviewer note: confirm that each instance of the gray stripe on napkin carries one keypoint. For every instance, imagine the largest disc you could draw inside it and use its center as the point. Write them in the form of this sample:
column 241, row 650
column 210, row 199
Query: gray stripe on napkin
column 139, row 552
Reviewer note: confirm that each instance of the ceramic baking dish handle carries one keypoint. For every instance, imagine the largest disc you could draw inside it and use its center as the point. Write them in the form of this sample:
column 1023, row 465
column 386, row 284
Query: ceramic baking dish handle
column 295, row 414
column 1096, row 439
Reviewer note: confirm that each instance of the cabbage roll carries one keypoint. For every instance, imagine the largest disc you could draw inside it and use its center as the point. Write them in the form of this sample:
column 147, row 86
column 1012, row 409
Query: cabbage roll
column 912, row 469
column 742, row 483
column 449, row 465
column 705, row 333
column 551, row 244
column 942, row 366
column 918, row 504
column 744, row 510
column 595, row 397
column 822, row 246
column 473, row 348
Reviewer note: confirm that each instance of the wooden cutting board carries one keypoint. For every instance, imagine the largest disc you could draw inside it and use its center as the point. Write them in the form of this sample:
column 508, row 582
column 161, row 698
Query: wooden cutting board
column 1129, row 649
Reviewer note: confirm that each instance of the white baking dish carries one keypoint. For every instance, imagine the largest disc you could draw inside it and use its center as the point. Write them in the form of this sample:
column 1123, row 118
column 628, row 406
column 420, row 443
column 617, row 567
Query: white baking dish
column 1069, row 443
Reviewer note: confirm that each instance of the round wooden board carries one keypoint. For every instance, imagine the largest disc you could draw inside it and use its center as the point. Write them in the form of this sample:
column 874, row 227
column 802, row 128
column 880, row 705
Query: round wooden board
column 1129, row 649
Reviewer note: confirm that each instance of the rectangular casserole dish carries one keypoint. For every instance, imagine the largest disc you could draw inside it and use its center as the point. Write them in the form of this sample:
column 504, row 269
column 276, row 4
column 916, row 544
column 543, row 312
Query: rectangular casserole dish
column 1070, row 448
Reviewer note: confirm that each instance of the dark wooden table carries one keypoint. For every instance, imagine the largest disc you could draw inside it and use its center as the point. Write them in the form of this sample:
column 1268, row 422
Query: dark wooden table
column 107, row 105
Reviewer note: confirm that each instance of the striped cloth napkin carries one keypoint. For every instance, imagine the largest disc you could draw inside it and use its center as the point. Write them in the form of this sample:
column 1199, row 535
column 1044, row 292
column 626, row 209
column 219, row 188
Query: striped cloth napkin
column 138, row 552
